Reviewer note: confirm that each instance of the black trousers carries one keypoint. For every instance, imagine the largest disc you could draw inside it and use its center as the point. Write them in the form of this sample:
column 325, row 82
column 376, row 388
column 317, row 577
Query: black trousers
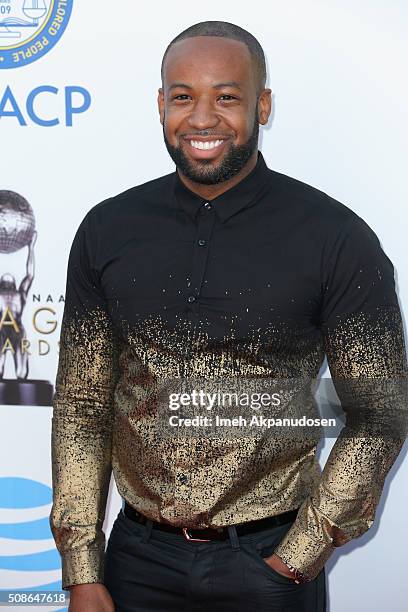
column 147, row 570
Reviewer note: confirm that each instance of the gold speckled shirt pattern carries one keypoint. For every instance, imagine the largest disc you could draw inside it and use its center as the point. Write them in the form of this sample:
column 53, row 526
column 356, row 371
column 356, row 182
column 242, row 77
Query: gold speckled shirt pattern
column 266, row 282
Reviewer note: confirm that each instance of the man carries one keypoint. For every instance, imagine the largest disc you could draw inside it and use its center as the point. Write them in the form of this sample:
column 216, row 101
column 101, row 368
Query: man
column 224, row 270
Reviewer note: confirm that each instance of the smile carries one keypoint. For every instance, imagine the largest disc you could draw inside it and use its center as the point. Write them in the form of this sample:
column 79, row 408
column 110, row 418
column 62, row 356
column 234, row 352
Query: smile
column 205, row 145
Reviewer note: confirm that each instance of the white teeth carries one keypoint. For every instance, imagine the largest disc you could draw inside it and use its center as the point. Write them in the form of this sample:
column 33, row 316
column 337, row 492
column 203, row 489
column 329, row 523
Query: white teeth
column 199, row 144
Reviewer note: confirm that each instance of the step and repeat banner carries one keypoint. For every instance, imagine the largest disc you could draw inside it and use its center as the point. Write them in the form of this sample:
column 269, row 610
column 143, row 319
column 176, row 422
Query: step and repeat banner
column 79, row 123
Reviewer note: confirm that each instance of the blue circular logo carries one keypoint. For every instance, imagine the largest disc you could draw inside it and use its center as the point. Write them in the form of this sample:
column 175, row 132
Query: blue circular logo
column 30, row 28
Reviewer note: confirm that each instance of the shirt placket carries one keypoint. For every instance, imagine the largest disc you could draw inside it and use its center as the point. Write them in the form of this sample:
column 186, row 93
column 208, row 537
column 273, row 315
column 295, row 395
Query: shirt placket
column 206, row 221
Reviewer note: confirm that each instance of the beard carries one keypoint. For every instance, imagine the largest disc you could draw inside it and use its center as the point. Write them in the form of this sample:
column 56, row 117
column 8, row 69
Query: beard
column 203, row 171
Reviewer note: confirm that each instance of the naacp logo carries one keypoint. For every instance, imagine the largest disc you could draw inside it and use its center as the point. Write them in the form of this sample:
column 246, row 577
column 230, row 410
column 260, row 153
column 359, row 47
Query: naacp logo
column 30, row 28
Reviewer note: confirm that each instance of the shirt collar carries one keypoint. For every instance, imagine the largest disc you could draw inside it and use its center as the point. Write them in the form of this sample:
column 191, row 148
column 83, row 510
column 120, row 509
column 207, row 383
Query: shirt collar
column 243, row 194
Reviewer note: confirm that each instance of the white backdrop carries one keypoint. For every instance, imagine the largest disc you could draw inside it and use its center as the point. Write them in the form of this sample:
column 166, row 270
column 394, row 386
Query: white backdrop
column 337, row 72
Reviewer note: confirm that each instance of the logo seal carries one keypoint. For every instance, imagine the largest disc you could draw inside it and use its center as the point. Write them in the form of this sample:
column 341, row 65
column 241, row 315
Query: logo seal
column 30, row 28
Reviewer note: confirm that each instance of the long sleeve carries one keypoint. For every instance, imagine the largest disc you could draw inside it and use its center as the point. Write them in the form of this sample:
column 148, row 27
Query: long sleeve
column 363, row 339
column 82, row 416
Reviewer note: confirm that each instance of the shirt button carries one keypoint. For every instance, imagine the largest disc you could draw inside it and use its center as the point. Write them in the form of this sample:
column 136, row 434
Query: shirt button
column 183, row 478
column 201, row 242
column 191, row 298
column 207, row 206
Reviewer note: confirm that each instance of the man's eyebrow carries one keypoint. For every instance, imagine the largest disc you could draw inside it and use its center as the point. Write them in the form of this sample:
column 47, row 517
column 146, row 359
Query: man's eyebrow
column 183, row 85
column 227, row 84
column 217, row 86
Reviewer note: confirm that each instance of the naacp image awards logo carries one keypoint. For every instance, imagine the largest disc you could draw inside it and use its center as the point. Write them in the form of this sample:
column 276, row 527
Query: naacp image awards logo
column 30, row 28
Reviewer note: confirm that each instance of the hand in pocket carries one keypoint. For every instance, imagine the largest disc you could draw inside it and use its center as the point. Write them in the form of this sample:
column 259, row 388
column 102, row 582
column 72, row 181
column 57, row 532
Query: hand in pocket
column 278, row 565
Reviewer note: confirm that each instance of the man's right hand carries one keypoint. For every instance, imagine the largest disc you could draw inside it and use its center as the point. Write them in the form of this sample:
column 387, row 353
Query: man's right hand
column 93, row 597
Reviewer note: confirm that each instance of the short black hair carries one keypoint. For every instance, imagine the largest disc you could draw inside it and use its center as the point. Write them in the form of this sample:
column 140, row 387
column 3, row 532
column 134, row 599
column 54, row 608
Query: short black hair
column 224, row 29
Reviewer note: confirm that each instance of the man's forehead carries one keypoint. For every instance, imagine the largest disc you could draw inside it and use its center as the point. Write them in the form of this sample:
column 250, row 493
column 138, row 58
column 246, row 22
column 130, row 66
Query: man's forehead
column 208, row 54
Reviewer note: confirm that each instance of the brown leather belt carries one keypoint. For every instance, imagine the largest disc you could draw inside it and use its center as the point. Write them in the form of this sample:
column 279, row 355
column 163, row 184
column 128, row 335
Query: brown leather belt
column 213, row 533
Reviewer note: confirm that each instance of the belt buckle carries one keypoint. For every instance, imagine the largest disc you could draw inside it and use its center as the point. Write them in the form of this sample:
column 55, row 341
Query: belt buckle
column 191, row 539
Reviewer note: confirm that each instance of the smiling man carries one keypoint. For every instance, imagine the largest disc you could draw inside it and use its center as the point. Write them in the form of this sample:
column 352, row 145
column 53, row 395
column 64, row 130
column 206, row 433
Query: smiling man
column 223, row 270
column 211, row 123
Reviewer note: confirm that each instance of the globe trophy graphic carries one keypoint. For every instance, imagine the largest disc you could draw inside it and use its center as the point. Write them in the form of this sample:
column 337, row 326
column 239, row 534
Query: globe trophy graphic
column 17, row 231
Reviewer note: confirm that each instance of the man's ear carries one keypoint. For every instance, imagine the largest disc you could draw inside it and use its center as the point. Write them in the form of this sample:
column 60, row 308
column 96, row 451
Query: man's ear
column 160, row 104
column 264, row 106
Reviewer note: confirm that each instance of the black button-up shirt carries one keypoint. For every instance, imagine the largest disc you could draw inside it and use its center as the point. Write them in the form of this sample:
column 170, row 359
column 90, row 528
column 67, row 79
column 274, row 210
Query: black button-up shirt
column 263, row 281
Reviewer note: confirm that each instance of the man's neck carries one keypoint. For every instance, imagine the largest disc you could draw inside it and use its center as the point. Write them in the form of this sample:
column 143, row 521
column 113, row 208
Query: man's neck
column 209, row 192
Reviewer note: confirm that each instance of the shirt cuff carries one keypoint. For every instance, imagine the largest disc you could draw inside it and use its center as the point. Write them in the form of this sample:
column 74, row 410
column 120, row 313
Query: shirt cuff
column 82, row 566
column 303, row 551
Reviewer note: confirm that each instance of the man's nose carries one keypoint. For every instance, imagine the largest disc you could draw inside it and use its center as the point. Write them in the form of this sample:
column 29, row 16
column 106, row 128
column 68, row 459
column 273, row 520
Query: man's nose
column 203, row 115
